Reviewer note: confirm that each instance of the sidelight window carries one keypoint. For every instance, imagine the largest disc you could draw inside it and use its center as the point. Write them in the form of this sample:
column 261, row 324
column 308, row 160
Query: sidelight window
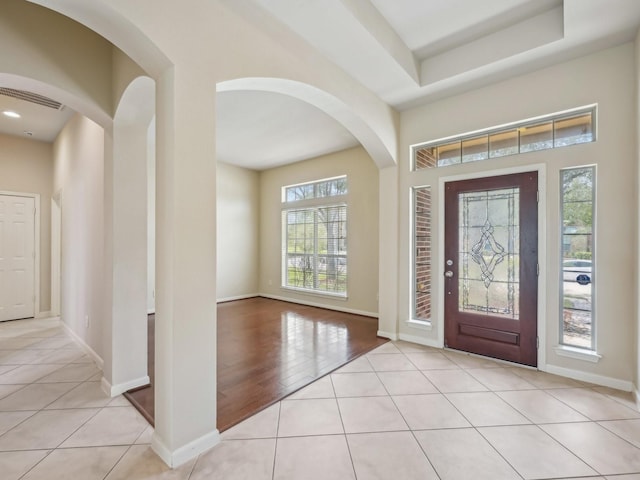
column 577, row 265
column 422, row 254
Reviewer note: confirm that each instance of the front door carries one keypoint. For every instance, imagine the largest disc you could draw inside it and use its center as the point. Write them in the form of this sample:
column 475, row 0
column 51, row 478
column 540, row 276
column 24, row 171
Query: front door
column 491, row 266
column 17, row 274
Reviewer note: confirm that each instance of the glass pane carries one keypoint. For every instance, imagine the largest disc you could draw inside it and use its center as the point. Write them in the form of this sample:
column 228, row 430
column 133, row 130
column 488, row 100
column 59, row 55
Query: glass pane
column 315, row 248
column 449, row 154
column 536, row 137
column 320, row 189
column 331, row 188
column 426, row 158
column 422, row 249
column 299, row 192
column 557, row 130
column 474, row 149
column 570, row 131
column 577, row 257
column 489, row 252
column 331, row 245
column 503, row 143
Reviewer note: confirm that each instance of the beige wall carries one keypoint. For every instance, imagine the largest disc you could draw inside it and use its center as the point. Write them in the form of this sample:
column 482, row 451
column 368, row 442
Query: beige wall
column 238, row 194
column 362, row 173
column 151, row 217
column 74, row 68
column 26, row 166
column 77, row 67
column 185, row 122
column 637, row 219
column 123, row 72
column 79, row 178
column 606, row 78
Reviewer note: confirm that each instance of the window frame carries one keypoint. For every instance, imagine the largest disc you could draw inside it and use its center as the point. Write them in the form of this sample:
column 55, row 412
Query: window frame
column 588, row 351
column 314, row 204
column 414, row 318
column 505, row 128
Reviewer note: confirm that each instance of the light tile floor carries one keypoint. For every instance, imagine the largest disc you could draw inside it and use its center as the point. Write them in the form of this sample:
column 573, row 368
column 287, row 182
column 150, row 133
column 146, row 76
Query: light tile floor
column 401, row 412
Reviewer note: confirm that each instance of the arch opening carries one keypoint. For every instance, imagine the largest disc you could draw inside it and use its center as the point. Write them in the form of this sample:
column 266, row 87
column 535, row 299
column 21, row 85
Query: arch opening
column 366, row 134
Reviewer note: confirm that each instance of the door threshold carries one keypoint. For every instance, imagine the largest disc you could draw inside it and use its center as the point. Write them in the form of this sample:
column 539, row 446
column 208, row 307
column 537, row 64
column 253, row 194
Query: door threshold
column 498, row 360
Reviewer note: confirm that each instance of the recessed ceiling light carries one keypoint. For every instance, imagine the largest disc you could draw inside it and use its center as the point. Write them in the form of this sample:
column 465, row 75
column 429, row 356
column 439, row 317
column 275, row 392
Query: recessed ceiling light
column 12, row 114
column 28, row 133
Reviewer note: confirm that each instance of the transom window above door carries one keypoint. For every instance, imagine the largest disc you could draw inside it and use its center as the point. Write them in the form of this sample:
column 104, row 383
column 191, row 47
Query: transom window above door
column 550, row 131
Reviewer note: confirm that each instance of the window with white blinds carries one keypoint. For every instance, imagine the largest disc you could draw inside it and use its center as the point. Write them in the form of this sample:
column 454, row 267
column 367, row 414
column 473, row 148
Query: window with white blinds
column 314, row 219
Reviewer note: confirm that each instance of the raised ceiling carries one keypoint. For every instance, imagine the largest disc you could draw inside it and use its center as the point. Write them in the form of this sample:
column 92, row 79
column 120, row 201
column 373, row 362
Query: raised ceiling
column 408, row 52
column 411, row 52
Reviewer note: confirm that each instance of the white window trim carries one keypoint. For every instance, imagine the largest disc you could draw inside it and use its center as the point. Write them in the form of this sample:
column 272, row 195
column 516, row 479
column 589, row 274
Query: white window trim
column 311, row 203
column 316, row 293
column 572, row 351
column 426, row 323
column 576, row 353
column 333, row 201
column 420, row 324
column 593, row 109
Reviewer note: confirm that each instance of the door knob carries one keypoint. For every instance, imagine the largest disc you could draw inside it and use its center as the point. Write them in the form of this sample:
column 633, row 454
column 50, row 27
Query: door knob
column 448, row 274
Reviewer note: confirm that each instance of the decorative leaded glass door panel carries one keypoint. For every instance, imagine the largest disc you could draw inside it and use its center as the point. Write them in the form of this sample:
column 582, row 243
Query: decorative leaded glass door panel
column 491, row 258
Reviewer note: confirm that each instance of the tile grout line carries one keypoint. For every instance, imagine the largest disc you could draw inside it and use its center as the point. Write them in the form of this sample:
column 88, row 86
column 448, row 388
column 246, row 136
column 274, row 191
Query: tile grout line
column 117, row 461
column 275, row 446
column 98, row 410
column 600, row 422
column 468, row 421
column 34, row 382
column 344, row 430
column 473, row 426
column 37, row 463
column 411, row 430
column 344, row 434
column 31, row 416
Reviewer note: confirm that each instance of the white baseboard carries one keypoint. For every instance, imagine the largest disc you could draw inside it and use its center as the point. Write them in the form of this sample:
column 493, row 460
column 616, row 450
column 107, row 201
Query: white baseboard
column 87, row 349
column 636, row 394
column 115, row 390
column 187, row 452
column 237, row 297
column 601, row 380
column 420, row 340
column 391, row 336
column 47, row 314
column 222, row 300
column 320, row 305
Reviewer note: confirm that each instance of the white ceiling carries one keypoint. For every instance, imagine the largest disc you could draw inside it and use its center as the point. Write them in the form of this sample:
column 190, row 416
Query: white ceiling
column 428, row 27
column 408, row 52
column 44, row 123
column 263, row 130
column 411, row 52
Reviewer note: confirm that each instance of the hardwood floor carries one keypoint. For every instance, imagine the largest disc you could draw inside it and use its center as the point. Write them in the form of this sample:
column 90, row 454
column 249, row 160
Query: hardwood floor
column 268, row 349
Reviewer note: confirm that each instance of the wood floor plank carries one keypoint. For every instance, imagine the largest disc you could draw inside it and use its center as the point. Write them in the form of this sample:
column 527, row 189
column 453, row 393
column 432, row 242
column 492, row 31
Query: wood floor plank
column 268, row 349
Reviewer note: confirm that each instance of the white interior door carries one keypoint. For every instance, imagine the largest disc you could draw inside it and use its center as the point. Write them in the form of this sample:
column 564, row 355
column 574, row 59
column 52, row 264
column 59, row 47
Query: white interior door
column 17, row 257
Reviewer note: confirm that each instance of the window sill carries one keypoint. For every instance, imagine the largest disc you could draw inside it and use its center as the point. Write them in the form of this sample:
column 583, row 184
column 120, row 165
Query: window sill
column 578, row 353
column 419, row 324
column 316, row 293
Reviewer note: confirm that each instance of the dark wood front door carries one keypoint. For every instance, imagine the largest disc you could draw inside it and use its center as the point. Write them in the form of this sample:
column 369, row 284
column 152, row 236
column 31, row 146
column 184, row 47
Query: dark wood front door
column 491, row 265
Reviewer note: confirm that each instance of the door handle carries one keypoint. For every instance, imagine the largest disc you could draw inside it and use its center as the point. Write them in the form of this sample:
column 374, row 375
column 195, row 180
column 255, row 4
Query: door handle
column 448, row 274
